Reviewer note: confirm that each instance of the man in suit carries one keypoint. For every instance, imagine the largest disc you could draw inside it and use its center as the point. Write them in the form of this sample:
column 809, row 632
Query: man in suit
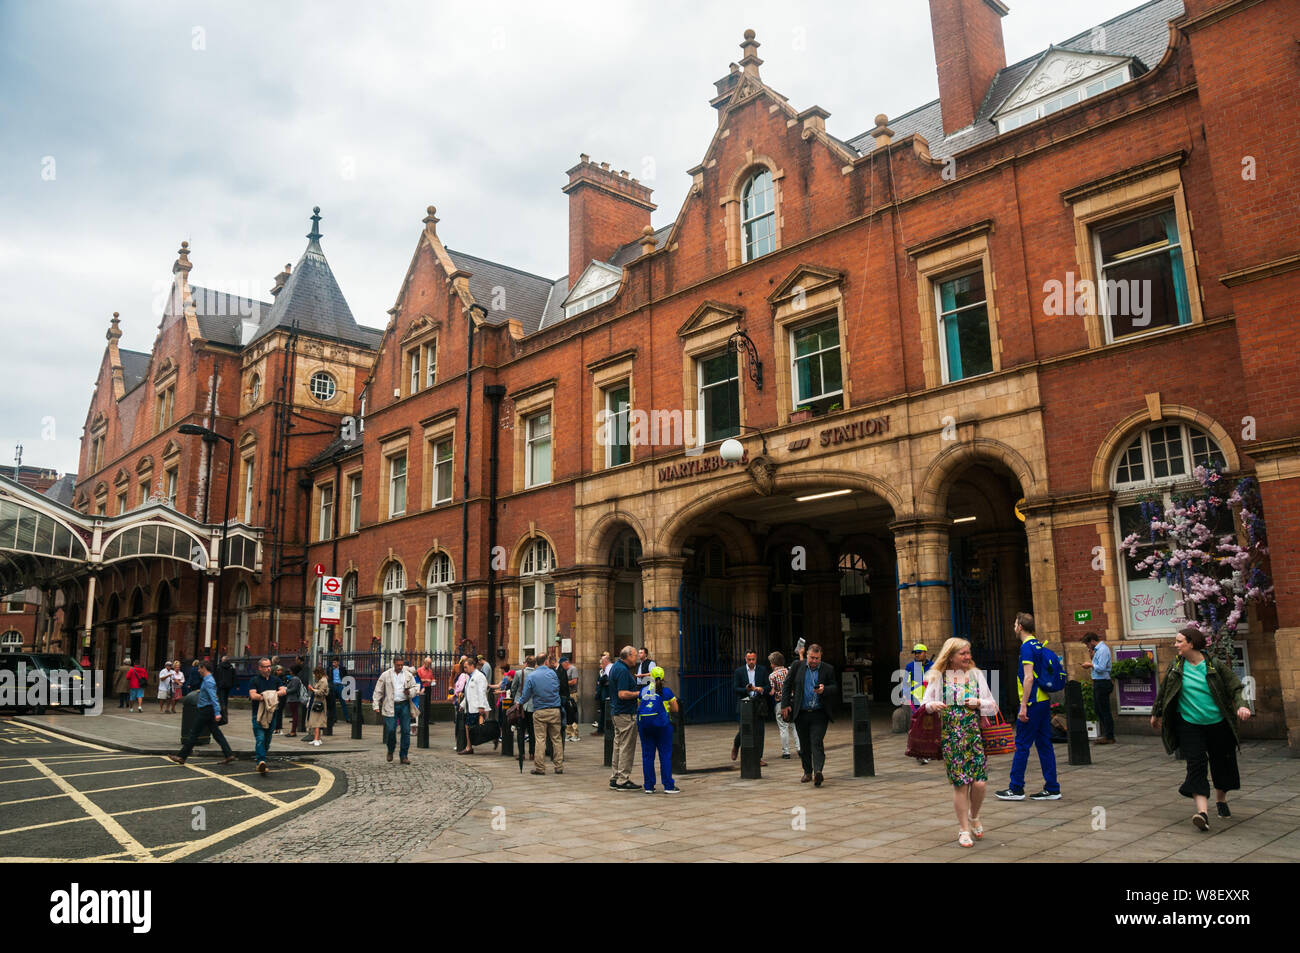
column 806, row 700
column 750, row 681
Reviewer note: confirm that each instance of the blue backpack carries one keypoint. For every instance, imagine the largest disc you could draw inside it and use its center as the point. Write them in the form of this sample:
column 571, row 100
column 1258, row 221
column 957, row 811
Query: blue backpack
column 1049, row 670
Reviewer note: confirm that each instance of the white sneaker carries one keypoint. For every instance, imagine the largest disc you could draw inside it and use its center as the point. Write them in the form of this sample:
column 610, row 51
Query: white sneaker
column 316, row 743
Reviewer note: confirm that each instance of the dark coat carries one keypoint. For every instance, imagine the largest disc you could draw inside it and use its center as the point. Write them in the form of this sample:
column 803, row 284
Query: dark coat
column 740, row 687
column 224, row 676
column 1225, row 688
column 792, row 696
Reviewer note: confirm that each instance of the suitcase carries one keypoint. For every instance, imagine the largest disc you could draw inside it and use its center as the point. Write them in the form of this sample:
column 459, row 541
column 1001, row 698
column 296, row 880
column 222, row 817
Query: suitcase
column 488, row 731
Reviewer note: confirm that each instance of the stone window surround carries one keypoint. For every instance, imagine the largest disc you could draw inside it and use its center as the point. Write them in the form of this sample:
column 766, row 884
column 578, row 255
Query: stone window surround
column 1115, row 197
column 704, row 341
column 435, row 432
column 345, row 528
column 388, row 449
column 934, row 265
column 731, row 206
column 792, row 313
column 527, row 404
column 605, row 377
column 317, row 499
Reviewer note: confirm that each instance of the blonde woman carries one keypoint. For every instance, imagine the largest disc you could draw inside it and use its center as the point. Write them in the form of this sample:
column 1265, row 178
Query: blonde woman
column 317, row 719
column 955, row 687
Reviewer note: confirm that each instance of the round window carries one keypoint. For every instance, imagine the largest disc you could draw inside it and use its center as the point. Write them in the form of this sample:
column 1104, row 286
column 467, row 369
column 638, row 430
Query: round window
column 322, row 386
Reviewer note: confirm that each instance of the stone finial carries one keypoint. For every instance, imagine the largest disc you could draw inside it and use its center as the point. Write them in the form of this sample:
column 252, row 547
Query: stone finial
column 114, row 330
column 314, row 234
column 431, row 219
column 648, row 242
column 750, row 61
column 183, row 259
column 882, row 133
column 280, row 279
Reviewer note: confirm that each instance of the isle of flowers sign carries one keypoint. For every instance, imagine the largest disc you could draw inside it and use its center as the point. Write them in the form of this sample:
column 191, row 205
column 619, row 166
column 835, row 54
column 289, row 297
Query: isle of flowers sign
column 1206, row 564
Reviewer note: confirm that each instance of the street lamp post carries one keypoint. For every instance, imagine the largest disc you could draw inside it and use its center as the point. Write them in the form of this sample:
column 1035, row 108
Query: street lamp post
column 211, row 437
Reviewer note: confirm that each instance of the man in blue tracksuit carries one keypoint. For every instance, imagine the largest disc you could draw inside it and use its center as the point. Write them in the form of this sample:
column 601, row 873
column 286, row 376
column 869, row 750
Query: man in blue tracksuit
column 1033, row 723
column 656, row 730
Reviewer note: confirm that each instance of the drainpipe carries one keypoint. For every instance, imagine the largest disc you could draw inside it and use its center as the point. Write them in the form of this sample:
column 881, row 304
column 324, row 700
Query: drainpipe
column 464, row 504
column 494, row 393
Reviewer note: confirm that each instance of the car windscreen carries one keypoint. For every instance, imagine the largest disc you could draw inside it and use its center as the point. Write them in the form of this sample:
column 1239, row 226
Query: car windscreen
column 64, row 663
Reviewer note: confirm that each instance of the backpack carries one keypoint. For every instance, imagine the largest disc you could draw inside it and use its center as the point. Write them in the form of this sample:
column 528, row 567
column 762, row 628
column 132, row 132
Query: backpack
column 1049, row 670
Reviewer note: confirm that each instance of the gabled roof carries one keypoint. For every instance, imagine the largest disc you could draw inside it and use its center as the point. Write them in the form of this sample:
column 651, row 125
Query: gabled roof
column 632, row 250
column 1141, row 34
column 220, row 314
column 135, row 368
column 508, row 292
column 312, row 298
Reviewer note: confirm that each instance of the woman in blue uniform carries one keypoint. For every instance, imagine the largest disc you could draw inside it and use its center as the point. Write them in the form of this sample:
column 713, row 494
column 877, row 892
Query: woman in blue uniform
column 656, row 731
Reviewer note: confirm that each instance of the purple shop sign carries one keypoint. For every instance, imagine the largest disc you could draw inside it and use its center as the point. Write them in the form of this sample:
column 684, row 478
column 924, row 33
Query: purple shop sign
column 1136, row 696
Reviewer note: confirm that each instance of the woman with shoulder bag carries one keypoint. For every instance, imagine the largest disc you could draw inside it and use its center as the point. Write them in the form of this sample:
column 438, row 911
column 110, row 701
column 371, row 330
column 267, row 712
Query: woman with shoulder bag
column 1200, row 702
column 956, row 687
column 316, row 718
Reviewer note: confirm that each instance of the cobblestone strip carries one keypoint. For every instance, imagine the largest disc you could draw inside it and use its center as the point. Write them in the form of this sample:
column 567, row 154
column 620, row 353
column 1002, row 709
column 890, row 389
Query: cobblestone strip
column 388, row 810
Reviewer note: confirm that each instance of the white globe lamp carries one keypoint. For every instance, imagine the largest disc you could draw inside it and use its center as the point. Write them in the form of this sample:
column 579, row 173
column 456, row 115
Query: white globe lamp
column 731, row 450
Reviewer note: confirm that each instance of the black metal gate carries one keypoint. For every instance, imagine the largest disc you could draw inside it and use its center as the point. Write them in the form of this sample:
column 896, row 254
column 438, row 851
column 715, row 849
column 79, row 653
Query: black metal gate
column 713, row 643
column 977, row 617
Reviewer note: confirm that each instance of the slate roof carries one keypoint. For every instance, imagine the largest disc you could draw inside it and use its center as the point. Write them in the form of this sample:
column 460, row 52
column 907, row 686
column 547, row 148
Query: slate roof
column 337, row 445
column 510, row 293
column 135, row 367
column 1142, row 33
column 312, row 298
column 221, row 314
column 632, row 250
column 62, row 489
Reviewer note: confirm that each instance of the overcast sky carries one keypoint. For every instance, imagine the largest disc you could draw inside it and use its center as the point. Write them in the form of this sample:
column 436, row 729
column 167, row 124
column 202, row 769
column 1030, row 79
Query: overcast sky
column 129, row 127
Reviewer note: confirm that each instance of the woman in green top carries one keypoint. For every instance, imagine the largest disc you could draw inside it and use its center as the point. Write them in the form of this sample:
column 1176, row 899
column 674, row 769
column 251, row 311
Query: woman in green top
column 1200, row 702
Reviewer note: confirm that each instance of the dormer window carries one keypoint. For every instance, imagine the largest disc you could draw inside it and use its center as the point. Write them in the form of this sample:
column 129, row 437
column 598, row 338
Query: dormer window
column 598, row 284
column 1062, row 78
column 758, row 216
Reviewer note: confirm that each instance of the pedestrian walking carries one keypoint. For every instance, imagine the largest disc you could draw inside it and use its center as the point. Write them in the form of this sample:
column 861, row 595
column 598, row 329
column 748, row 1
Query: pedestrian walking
column 208, row 718
column 1196, row 711
column 750, row 681
column 392, row 700
column 120, row 684
column 293, row 699
column 914, row 680
column 457, row 699
column 624, row 696
column 806, row 700
column 542, row 691
column 427, row 682
column 602, row 693
column 226, row 679
column 655, row 729
column 266, row 692
column 1033, row 723
column 475, row 701
column 136, row 679
column 1102, row 686
column 317, row 716
column 178, row 687
column 568, row 675
column 164, row 687
column 776, row 682
column 957, row 688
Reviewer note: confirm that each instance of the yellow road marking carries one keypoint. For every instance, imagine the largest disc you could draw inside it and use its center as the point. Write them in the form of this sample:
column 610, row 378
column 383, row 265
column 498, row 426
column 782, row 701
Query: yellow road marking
column 235, row 784
column 90, row 774
column 114, row 829
column 64, row 738
column 63, row 759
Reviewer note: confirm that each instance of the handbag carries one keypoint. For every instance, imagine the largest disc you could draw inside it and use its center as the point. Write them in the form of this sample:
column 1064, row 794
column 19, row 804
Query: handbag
column 924, row 737
column 999, row 736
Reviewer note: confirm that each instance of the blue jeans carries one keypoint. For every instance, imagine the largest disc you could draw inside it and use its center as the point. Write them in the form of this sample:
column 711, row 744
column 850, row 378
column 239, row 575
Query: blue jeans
column 401, row 717
column 1036, row 732
column 656, row 738
column 261, row 740
column 340, row 705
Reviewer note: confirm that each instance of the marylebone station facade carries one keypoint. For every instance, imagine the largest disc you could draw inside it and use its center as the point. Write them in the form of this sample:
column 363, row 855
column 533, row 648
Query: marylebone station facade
column 960, row 351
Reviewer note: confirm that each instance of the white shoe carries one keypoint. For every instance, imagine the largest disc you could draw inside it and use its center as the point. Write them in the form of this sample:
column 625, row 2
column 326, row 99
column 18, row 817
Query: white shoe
column 316, row 743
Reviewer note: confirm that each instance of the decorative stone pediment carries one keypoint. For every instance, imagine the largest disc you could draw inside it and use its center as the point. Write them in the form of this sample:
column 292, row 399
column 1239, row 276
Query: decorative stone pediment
column 595, row 277
column 1058, row 69
column 709, row 314
column 805, row 280
column 165, row 370
column 421, row 326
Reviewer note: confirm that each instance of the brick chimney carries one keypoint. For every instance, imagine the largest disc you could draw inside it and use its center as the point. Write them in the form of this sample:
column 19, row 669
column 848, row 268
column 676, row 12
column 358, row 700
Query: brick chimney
column 606, row 209
column 968, row 51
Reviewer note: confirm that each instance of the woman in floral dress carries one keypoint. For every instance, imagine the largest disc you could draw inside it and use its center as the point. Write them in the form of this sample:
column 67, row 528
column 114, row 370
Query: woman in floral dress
column 955, row 687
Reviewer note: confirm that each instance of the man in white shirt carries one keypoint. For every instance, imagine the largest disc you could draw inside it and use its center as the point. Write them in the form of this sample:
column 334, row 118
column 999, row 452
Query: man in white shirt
column 476, row 701
column 392, row 698
column 643, row 665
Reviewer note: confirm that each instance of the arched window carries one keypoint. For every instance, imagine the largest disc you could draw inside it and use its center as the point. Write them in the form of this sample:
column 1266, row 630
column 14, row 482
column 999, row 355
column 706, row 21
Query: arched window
column 758, row 216
column 243, row 598
column 627, row 593
column 439, row 608
column 350, row 613
column 394, row 637
column 11, row 641
column 536, row 598
column 1157, row 463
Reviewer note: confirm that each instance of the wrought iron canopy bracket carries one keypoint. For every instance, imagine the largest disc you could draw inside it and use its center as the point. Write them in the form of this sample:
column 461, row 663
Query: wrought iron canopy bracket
column 740, row 342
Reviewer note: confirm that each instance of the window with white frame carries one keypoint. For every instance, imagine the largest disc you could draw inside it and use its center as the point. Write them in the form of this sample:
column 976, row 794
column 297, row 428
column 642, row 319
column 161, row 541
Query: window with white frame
column 121, row 502
column 1143, row 284
column 413, row 361
column 618, row 439
column 537, row 452
column 350, row 613
column 326, row 530
column 758, row 216
column 394, row 631
column 627, row 597
column 965, row 346
column 250, row 488
column 442, row 471
column 816, row 375
column 322, row 386
column 536, row 599
column 11, row 641
column 1092, row 87
column 354, row 503
column 431, row 363
column 439, row 607
column 171, row 487
column 243, row 598
column 1151, row 470
column 254, row 389
column 719, row 396
column 397, row 484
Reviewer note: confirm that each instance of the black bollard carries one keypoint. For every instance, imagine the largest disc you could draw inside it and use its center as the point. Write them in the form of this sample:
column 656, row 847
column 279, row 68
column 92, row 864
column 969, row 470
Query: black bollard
column 426, row 715
column 749, row 740
column 609, row 734
column 329, row 712
column 356, row 718
column 864, row 757
column 678, row 719
column 507, row 732
column 1076, row 727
